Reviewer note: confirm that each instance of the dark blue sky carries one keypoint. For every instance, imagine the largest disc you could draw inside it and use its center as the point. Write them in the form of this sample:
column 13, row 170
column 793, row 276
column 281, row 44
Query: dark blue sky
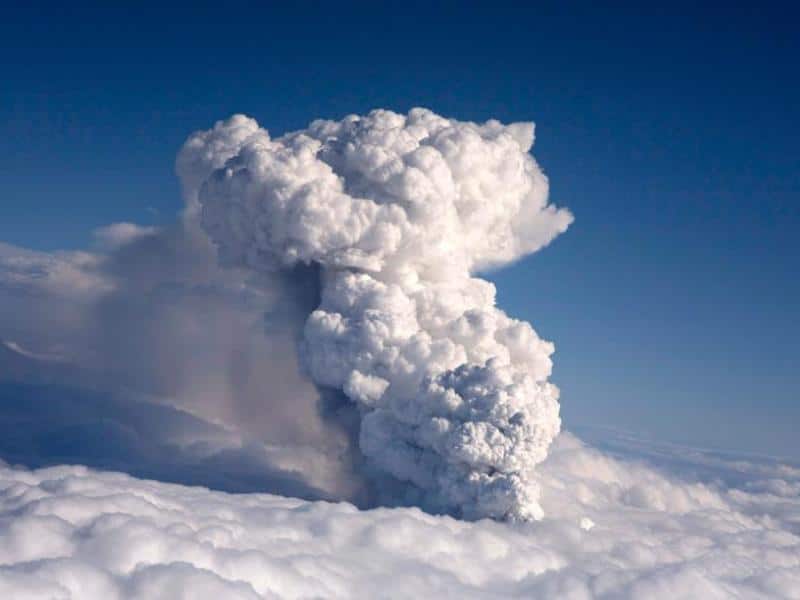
column 672, row 135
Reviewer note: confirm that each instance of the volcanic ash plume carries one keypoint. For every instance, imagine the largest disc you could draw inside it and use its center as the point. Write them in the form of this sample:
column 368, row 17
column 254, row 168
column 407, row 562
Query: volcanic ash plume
column 396, row 213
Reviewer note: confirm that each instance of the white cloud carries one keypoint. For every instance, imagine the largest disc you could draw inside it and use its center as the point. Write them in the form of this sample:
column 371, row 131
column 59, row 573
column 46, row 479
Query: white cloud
column 116, row 235
column 71, row 276
column 398, row 213
column 395, row 213
column 69, row 532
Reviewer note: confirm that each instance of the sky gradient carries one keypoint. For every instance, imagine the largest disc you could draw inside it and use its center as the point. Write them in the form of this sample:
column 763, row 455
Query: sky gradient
column 672, row 137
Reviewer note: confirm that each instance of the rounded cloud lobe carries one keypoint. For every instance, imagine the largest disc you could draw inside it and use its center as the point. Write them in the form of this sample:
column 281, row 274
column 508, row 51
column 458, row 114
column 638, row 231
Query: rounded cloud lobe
column 614, row 529
column 397, row 213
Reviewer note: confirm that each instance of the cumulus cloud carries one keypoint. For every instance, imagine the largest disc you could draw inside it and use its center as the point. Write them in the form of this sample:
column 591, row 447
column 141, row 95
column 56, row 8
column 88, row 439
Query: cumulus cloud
column 398, row 213
column 70, row 532
column 348, row 317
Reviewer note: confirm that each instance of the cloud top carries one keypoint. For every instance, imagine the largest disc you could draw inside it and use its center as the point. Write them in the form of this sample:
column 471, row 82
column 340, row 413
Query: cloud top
column 381, row 192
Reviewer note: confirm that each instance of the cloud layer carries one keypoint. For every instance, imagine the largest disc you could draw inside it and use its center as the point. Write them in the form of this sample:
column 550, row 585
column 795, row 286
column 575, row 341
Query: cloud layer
column 397, row 213
column 615, row 528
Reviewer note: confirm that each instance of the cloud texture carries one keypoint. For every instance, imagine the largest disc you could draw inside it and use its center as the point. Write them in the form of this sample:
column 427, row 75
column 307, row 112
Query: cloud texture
column 615, row 528
column 397, row 213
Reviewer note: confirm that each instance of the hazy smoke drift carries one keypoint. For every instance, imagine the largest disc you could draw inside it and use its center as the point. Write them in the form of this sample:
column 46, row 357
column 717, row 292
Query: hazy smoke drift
column 398, row 213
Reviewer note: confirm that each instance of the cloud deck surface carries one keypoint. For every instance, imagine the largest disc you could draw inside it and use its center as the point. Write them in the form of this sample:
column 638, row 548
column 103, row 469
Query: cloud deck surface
column 615, row 528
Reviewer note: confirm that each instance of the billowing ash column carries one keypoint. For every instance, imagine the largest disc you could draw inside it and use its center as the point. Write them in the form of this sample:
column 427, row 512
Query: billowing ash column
column 399, row 212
